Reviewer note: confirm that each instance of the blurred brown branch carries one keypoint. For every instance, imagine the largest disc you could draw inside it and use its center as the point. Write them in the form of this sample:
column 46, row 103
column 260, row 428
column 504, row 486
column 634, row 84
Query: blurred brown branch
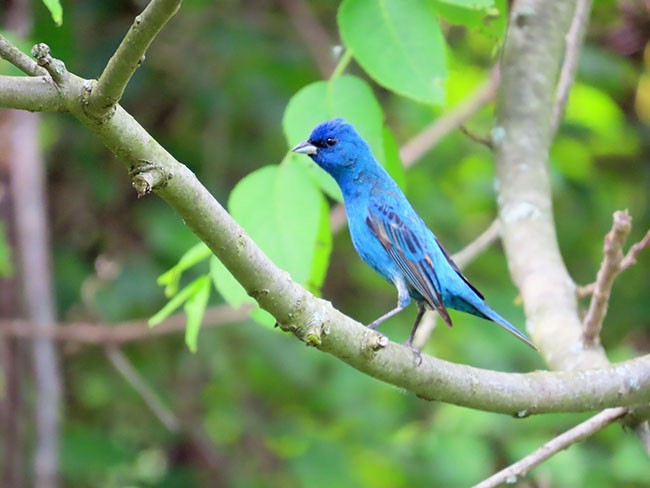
column 135, row 330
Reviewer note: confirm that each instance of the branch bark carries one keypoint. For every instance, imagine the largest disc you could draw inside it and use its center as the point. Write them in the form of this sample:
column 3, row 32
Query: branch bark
column 129, row 55
column 529, row 70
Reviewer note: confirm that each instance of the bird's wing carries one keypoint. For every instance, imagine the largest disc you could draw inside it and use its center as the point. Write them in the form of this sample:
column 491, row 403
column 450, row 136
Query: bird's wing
column 457, row 269
column 406, row 250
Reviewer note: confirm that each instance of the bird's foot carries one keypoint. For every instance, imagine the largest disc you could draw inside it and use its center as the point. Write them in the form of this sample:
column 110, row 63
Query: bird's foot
column 416, row 351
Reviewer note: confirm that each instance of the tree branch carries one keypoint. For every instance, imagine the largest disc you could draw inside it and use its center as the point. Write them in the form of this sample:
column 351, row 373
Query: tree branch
column 19, row 59
column 414, row 149
column 530, row 63
column 478, row 245
column 129, row 55
column 30, row 93
column 34, row 265
column 136, row 330
column 552, row 447
column 626, row 262
column 609, row 269
column 312, row 33
column 573, row 41
column 148, row 394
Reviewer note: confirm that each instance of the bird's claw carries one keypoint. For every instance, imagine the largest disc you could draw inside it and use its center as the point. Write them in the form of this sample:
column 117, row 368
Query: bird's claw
column 415, row 351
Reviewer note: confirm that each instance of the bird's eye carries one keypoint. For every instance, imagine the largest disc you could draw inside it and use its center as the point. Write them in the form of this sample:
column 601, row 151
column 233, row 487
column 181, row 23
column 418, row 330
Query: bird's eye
column 331, row 141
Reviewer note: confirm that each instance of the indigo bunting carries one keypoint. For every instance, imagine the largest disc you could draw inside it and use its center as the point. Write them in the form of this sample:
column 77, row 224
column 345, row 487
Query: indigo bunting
column 389, row 235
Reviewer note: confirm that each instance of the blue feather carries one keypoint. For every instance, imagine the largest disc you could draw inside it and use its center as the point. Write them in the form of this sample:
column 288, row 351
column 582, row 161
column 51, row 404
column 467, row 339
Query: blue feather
column 389, row 235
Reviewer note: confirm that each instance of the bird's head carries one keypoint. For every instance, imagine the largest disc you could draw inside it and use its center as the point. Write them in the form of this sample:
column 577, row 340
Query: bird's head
column 336, row 147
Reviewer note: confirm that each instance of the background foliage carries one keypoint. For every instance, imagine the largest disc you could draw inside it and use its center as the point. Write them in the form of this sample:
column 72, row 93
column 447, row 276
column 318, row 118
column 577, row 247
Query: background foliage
column 228, row 87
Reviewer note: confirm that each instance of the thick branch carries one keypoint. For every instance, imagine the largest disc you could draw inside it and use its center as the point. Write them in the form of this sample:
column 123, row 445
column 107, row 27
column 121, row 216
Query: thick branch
column 530, row 64
column 609, row 269
column 35, row 94
column 129, row 55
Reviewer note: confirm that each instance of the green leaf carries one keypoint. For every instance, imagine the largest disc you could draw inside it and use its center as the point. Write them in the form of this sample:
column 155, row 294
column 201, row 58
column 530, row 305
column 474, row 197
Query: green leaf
column 6, row 269
column 176, row 301
column 486, row 16
column 322, row 251
column 393, row 164
column 399, row 44
column 282, row 210
column 54, row 6
column 171, row 279
column 234, row 294
column 596, row 111
column 348, row 97
column 194, row 309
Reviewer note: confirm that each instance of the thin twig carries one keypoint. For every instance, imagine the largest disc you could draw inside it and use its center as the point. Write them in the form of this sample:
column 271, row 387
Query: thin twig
column 635, row 249
column 483, row 140
column 466, row 255
column 626, row 262
column 146, row 392
column 414, row 149
column 419, row 145
column 19, row 59
column 312, row 33
column 586, row 290
column 609, row 269
column 135, row 330
column 129, row 55
column 561, row 442
column 573, row 40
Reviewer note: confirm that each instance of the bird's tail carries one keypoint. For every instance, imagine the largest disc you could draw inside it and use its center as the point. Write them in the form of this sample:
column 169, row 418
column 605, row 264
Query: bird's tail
column 488, row 313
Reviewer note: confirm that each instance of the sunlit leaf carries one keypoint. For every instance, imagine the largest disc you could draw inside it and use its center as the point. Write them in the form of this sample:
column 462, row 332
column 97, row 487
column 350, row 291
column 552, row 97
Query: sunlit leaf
column 176, row 301
column 194, row 309
column 485, row 16
column 54, row 6
column 5, row 254
column 399, row 44
column 282, row 210
column 171, row 278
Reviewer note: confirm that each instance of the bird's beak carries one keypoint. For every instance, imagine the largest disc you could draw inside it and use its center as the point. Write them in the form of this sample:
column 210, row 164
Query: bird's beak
column 305, row 147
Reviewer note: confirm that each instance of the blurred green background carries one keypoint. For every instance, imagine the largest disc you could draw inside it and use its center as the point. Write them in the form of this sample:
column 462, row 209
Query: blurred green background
column 213, row 91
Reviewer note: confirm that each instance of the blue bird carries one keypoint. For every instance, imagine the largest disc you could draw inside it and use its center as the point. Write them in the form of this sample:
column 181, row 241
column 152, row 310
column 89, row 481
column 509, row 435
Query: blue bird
column 389, row 235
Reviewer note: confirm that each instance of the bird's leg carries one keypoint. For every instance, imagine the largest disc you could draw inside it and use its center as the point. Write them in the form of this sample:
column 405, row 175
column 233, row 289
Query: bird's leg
column 386, row 316
column 403, row 301
column 409, row 342
column 418, row 319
